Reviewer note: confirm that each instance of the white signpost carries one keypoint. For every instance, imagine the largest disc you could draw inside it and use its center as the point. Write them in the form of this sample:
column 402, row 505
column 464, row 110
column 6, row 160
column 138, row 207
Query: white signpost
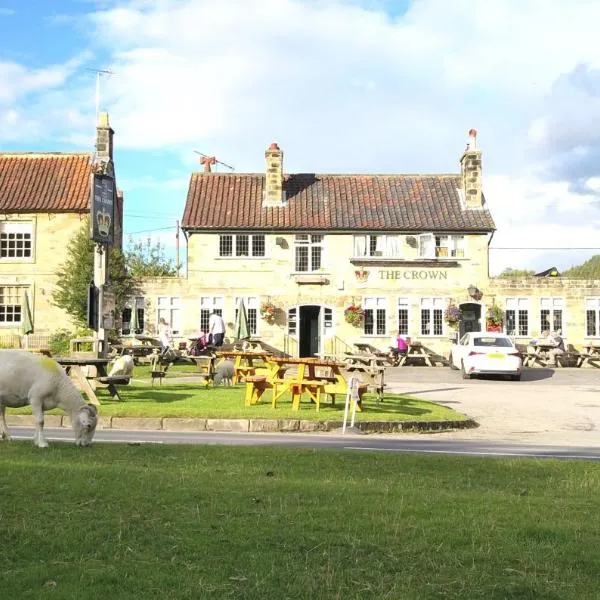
column 353, row 398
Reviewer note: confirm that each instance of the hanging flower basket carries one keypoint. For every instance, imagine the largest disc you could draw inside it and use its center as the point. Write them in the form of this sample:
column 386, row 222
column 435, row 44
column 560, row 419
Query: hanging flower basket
column 452, row 316
column 495, row 316
column 354, row 315
column 267, row 312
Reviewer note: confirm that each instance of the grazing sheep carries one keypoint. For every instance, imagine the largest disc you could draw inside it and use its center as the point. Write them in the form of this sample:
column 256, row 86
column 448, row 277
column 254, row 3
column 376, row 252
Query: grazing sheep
column 122, row 367
column 27, row 378
column 224, row 372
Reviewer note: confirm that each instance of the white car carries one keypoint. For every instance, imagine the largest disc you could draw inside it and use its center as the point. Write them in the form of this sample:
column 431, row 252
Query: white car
column 486, row 353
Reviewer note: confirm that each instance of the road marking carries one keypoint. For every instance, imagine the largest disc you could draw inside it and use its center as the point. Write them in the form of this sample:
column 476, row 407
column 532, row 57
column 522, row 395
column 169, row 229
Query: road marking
column 474, row 452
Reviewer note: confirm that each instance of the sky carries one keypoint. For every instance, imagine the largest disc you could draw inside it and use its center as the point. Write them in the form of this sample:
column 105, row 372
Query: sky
column 343, row 86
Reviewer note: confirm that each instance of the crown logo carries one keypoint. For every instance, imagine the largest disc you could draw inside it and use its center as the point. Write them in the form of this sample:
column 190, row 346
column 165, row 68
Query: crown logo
column 361, row 275
column 103, row 222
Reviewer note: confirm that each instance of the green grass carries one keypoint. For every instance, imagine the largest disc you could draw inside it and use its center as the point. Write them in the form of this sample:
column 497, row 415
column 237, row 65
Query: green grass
column 185, row 522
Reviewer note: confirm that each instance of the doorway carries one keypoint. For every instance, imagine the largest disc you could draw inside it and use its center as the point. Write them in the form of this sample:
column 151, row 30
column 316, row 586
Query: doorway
column 470, row 318
column 309, row 337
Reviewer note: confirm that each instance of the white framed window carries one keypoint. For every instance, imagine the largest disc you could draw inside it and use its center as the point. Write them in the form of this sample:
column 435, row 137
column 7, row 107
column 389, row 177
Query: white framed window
column 551, row 314
column 384, row 246
column 169, row 309
column 235, row 245
column 11, row 305
column 292, row 321
column 133, row 317
column 208, row 304
column 592, row 316
column 432, row 313
column 327, row 322
column 16, row 240
column 308, row 252
column 441, row 246
column 517, row 317
column 375, row 315
column 403, row 307
column 252, row 304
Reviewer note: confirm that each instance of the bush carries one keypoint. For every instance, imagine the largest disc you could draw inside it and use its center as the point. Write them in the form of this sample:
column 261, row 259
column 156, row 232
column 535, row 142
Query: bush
column 59, row 342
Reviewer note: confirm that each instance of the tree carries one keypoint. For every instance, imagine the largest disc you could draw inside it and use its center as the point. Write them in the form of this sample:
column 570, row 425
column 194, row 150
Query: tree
column 590, row 269
column 76, row 273
column 145, row 259
column 509, row 272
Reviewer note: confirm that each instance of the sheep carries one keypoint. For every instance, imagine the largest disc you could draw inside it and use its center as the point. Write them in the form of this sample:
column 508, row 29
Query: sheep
column 224, row 372
column 41, row 382
column 122, row 367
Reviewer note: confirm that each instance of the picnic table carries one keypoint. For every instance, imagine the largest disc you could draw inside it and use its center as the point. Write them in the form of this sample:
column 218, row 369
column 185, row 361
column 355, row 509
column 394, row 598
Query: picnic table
column 245, row 362
column 308, row 379
column 75, row 369
column 590, row 355
column 415, row 352
column 371, row 370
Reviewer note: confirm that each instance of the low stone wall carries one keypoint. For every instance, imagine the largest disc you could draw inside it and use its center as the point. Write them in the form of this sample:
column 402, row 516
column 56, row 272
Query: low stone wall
column 244, row 425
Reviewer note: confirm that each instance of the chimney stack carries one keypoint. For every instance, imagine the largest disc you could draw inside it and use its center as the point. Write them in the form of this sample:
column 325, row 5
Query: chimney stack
column 274, row 195
column 470, row 171
column 104, row 138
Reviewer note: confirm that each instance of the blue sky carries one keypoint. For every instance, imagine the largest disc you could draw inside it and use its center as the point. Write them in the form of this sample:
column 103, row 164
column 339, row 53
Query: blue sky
column 347, row 86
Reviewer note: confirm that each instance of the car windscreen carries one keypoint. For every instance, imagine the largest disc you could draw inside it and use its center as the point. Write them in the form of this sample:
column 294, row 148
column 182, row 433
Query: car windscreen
column 492, row 341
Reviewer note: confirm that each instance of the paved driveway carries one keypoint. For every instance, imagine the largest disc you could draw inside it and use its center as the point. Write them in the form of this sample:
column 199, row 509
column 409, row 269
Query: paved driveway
column 560, row 406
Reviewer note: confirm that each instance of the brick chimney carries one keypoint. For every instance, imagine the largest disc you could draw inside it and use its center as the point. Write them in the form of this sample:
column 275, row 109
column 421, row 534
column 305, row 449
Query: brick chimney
column 104, row 138
column 274, row 194
column 470, row 171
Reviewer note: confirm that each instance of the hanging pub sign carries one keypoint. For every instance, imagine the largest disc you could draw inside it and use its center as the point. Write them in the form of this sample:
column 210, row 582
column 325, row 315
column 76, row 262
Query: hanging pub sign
column 102, row 223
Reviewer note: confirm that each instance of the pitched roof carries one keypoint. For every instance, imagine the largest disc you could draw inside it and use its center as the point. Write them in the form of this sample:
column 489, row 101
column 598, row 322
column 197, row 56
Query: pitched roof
column 333, row 202
column 48, row 182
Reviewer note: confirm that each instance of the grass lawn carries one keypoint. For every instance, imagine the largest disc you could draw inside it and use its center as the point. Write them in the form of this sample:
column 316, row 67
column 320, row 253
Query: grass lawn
column 191, row 522
column 191, row 399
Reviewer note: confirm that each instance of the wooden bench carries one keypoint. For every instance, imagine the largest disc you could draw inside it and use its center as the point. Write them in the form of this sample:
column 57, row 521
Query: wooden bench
column 255, row 387
column 112, row 382
column 568, row 359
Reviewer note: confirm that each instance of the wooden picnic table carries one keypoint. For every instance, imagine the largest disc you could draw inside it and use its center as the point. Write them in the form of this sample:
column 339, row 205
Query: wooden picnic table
column 74, row 368
column 244, row 362
column 590, row 355
column 308, row 379
column 415, row 351
column 371, row 369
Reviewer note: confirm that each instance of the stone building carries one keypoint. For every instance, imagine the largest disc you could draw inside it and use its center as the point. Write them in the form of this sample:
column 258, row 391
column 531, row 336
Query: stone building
column 44, row 200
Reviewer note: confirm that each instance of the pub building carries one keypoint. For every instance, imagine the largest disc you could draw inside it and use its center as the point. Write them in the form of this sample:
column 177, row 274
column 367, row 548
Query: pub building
column 307, row 252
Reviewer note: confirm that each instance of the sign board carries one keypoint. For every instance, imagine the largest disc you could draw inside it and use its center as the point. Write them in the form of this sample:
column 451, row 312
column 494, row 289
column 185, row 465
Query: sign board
column 102, row 217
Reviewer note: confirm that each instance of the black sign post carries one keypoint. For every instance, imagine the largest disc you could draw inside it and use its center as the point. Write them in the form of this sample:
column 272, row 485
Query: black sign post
column 102, row 224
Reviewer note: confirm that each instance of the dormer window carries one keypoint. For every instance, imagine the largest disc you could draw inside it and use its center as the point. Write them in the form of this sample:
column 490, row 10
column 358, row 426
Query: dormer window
column 441, row 246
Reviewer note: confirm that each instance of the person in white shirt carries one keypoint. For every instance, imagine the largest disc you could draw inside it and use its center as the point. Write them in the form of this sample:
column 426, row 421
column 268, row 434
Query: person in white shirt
column 164, row 335
column 216, row 329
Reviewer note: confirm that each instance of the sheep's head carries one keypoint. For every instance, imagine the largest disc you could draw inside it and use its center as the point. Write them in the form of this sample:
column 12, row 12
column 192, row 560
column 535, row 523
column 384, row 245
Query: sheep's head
column 84, row 424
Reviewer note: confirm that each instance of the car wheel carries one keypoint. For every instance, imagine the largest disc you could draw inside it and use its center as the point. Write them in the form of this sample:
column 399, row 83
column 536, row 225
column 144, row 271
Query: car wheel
column 465, row 375
column 451, row 363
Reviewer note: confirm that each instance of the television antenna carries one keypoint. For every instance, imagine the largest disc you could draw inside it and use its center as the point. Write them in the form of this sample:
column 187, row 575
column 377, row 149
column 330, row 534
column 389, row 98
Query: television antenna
column 99, row 73
column 208, row 161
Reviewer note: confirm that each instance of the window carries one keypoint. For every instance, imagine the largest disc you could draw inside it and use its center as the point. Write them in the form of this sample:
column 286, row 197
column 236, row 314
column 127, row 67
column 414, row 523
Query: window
column 441, row 246
column 551, row 314
column 328, row 322
column 385, row 246
column 16, row 239
column 403, row 316
column 11, row 298
column 309, row 252
column 517, row 316
column 592, row 317
column 208, row 304
column 241, row 244
column 252, row 304
column 132, row 317
column 375, row 316
column 169, row 308
column 292, row 321
column 432, row 312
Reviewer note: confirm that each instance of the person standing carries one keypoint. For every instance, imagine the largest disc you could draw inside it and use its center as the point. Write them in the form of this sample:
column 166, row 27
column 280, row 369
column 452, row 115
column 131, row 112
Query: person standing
column 164, row 335
column 216, row 329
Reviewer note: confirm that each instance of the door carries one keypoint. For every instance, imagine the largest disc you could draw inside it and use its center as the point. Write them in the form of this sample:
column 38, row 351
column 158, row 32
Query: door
column 309, row 337
column 470, row 318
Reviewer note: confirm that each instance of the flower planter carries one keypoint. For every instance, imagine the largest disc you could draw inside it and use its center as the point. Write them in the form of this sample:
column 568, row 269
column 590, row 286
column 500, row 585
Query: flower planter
column 492, row 327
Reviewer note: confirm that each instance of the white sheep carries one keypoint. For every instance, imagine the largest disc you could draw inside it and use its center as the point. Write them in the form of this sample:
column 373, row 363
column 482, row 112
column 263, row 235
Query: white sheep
column 39, row 381
column 122, row 367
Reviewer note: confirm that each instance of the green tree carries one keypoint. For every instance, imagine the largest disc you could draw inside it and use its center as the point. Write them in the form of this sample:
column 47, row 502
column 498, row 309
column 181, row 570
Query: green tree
column 509, row 272
column 590, row 269
column 145, row 259
column 76, row 273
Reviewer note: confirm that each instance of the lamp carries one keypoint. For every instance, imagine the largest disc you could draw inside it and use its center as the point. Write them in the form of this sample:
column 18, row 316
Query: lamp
column 473, row 291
